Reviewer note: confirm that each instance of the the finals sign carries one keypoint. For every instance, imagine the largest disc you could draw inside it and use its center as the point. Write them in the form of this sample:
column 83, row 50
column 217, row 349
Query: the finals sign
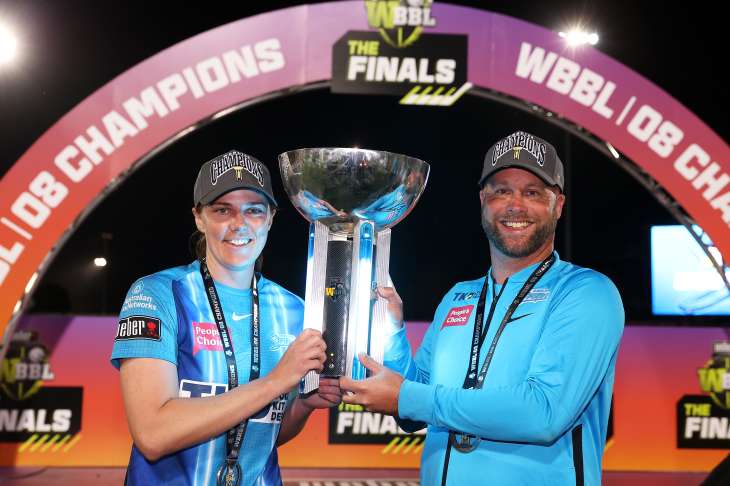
column 398, row 59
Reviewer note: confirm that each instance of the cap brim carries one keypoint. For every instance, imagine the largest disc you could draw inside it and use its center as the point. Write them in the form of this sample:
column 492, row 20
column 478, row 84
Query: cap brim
column 529, row 167
column 213, row 195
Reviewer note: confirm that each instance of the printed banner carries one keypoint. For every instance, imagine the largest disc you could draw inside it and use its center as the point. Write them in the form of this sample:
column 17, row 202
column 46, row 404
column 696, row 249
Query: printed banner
column 60, row 401
column 60, row 404
column 116, row 128
column 363, row 63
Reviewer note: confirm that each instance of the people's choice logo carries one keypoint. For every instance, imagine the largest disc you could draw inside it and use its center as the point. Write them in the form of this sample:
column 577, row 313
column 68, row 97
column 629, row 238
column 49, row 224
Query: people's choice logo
column 457, row 316
column 206, row 337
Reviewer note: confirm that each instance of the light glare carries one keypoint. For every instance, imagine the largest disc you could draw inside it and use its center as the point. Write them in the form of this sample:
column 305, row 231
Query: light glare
column 578, row 37
column 613, row 151
column 8, row 44
column 100, row 262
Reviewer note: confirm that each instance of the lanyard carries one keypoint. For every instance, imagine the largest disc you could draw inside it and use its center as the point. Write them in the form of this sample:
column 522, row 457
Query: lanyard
column 479, row 335
column 474, row 358
column 230, row 472
column 468, row 442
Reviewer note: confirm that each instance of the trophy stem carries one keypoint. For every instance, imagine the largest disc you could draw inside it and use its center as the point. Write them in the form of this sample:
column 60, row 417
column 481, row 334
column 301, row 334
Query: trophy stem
column 360, row 297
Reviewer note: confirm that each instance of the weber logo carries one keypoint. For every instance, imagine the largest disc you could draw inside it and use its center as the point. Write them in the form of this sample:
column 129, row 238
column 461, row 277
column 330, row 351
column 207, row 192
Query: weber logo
column 138, row 327
column 458, row 316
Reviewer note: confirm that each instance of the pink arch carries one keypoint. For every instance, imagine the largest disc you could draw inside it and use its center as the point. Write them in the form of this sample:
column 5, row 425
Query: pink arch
column 66, row 170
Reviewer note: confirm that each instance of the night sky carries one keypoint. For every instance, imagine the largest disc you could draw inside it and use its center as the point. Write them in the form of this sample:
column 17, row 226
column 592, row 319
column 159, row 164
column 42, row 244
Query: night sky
column 71, row 48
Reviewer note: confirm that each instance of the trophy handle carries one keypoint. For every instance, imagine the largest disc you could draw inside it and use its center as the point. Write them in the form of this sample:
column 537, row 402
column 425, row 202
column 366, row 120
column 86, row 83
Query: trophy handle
column 380, row 321
column 315, row 290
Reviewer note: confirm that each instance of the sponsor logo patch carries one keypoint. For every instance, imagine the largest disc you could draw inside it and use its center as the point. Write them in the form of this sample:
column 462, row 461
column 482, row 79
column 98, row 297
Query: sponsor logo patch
column 199, row 389
column 280, row 342
column 536, row 295
column 206, row 337
column 458, row 316
column 517, row 318
column 271, row 413
column 138, row 327
column 460, row 296
column 139, row 301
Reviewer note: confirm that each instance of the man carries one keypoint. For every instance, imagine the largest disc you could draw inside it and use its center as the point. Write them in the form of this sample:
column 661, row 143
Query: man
column 514, row 375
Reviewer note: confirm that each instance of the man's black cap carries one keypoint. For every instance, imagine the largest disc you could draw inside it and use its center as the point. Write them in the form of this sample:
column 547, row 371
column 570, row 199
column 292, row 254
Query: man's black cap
column 524, row 151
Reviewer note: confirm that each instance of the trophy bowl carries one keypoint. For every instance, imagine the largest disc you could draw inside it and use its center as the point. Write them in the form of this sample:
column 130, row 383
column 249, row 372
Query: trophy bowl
column 351, row 198
column 341, row 186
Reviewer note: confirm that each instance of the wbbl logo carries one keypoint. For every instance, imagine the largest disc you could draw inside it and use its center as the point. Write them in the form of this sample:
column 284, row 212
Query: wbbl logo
column 400, row 22
column 335, row 289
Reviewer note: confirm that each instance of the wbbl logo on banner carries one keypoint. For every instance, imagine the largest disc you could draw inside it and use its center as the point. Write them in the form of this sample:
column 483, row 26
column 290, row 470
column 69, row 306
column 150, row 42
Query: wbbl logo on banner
column 29, row 410
column 399, row 59
column 703, row 421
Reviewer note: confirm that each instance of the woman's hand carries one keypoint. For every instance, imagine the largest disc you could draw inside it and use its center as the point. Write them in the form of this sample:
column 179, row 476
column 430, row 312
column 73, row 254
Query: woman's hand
column 306, row 353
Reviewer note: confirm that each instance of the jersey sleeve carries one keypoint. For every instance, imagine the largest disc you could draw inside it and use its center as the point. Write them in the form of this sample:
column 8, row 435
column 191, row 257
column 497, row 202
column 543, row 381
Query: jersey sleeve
column 418, row 369
column 398, row 356
column 573, row 357
column 147, row 325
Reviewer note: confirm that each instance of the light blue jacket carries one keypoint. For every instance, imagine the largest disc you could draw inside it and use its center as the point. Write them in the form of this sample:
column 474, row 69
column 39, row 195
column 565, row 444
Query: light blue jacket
column 544, row 408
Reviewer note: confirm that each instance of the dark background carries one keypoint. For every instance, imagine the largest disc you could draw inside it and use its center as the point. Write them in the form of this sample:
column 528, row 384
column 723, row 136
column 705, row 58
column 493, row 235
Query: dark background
column 71, row 48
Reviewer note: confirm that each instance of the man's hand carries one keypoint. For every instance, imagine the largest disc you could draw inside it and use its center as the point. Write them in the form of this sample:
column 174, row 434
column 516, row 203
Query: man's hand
column 395, row 304
column 379, row 393
column 328, row 395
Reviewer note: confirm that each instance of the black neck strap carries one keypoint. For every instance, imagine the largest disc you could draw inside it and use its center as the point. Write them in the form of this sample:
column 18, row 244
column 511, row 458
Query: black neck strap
column 472, row 380
column 467, row 442
column 479, row 335
column 235, row 435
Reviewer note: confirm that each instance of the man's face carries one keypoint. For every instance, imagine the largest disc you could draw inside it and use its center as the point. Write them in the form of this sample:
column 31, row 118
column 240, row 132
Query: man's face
column 519, row 212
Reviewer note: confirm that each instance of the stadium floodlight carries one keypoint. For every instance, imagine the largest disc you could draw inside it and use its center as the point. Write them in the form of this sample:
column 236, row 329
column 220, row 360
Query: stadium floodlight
column 100, row 262
column 578, row 37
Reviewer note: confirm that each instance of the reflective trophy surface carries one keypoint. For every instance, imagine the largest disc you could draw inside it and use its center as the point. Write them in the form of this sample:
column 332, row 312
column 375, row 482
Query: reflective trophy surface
column 351, row 197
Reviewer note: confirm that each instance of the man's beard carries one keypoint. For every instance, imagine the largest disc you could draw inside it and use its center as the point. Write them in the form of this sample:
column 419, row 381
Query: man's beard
column 542, row 233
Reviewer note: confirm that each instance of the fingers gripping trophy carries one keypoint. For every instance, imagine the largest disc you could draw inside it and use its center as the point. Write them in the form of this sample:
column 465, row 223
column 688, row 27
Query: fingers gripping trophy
column 351, row 197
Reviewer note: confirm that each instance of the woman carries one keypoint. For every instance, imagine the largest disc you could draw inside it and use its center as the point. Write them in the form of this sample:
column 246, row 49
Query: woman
column 207, row 403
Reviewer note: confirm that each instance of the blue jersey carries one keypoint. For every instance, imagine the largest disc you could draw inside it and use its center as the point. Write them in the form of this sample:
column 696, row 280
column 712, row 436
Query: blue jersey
column 167, row 316
column 543, row 410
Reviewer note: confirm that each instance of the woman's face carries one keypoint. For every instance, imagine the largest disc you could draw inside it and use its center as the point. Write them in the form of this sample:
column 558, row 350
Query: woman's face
column 235, row 226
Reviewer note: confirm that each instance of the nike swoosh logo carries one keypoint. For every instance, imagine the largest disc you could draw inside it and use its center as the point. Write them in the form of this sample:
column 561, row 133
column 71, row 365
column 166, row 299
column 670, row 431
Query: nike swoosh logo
column 238, row 317
column 519, row 317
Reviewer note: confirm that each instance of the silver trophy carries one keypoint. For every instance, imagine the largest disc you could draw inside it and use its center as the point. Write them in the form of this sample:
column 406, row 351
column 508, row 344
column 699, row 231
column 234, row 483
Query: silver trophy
column 351, row 197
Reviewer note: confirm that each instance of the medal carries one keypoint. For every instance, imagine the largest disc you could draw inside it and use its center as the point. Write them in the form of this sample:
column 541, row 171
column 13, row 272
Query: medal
column 228, row 475
column 465, row 442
